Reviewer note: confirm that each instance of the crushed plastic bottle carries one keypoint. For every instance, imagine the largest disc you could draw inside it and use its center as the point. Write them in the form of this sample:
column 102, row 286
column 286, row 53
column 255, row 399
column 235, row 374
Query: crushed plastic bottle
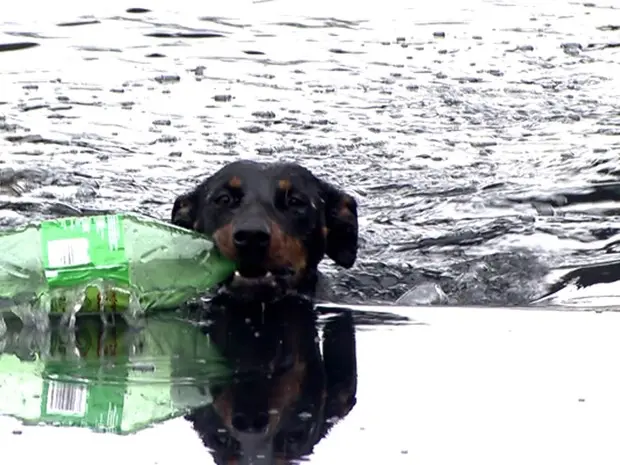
column 125, row 263
column 116, row 380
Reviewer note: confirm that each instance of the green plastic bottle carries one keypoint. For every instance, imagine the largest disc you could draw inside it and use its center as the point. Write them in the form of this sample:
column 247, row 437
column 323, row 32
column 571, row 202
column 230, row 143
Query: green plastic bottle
column 107, row 379
column 108, row 263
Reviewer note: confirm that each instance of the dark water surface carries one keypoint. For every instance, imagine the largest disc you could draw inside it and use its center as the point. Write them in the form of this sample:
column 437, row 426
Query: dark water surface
column 480, row 138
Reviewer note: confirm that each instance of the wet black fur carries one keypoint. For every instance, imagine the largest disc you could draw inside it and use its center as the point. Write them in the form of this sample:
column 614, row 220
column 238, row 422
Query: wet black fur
column 309, row 206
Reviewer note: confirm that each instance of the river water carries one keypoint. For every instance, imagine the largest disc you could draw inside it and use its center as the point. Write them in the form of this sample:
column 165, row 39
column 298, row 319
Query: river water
column 480, row 137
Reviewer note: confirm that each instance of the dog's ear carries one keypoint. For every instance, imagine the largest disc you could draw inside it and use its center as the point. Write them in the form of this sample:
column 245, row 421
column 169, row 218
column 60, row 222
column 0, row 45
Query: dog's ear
column 341, row 230
column 184, row 210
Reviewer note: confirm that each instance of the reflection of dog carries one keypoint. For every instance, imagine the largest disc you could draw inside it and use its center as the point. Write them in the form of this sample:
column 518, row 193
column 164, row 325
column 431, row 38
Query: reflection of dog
column 276, row 221
column 284, row 395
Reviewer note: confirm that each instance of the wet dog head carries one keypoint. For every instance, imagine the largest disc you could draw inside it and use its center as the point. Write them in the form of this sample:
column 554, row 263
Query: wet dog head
column 275, row 221
column 287, row 386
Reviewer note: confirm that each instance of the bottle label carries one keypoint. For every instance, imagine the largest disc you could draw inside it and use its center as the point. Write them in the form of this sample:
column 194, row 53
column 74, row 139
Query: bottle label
column 81, row 249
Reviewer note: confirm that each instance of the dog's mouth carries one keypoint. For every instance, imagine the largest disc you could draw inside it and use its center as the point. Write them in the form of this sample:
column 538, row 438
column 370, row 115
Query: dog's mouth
column 244, row 278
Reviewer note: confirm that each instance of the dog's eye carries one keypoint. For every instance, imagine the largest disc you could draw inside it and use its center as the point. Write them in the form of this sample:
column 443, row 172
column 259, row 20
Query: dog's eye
column 222, row 199
column 295, row 201
column 226, row 199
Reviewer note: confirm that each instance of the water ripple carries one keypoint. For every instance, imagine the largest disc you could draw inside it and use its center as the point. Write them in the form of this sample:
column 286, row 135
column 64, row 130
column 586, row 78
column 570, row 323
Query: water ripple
column 463, row 140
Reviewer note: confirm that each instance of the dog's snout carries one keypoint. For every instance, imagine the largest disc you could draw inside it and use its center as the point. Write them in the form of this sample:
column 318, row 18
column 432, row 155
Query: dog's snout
column 251, row 238
column 256, row 238
column 250, row 424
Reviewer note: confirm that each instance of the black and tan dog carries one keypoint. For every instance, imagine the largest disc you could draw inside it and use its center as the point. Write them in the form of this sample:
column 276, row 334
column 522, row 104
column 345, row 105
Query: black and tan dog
column 288, row 386
column 277, row 221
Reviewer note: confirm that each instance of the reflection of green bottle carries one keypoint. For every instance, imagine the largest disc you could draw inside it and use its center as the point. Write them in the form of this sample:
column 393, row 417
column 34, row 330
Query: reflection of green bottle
column 109, row 262
column 115, row 379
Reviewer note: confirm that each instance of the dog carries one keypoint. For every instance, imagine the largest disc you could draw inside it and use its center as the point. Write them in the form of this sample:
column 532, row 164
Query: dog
column 276, row 221
column 288, row 387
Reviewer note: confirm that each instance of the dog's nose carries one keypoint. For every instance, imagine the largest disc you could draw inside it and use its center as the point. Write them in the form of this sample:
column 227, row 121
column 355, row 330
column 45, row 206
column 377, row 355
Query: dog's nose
column 251, row 238
column 247, row 424
column 255, row 239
